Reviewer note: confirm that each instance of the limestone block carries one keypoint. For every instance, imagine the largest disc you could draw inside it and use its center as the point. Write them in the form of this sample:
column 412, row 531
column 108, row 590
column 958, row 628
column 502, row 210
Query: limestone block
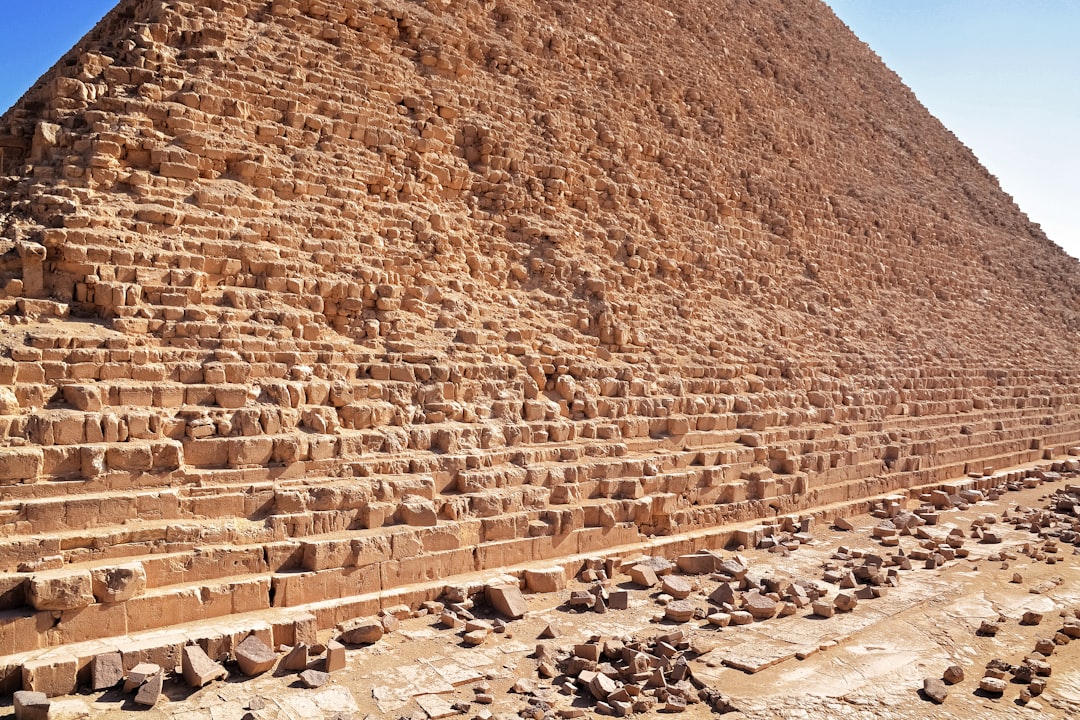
column 198, row 668
column 418, row 512
column 643, row 575
column 363, row 631
column 545, row 580
column 507, row 600
column 87, row 398
column 106, row 670
column 120, row 583
column 20, row 464
column 30, row 705
column 9, row 402
column 53, row 674
column 254, row 656
column 335, row 656
column 60, row 590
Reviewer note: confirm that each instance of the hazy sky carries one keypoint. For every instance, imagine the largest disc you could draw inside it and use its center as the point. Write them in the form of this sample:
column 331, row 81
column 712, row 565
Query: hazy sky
column 1003, row 75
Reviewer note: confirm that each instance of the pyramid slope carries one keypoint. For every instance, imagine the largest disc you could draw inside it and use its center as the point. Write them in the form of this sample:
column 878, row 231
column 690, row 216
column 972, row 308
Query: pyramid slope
column 320, row 299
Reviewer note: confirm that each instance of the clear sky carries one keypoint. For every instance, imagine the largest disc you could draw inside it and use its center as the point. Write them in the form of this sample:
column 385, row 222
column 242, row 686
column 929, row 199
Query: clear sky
column 1003, row 75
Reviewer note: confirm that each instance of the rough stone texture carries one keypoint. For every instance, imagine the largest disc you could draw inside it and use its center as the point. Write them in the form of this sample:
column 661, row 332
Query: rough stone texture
column 149, row 692
column 935, row 689
column 120, row 583
column 363, row 631
column 415, row 314
column 30, row 705
column 60, row 590
column 106, row 670
column 507, row 600
column 198, row 668
column 254, row 656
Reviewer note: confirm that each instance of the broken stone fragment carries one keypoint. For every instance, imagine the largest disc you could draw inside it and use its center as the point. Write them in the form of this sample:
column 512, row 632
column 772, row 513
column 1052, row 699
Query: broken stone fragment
column 677, row 587
column 254, row 656
column 477, row 637
column 680, row 611
column 823, row 609
column 992, row 685
column 362, row 631
column 935, row 689
column 198, row 668
column 643, row 575
column 313, row 678
column 296, row 659
column 620, row 600
column 106, row 670
column 845, row 602
column 760, row 606
column 1031, row 618
column 723, row 595
column 150, row 691
column 507, row 600
column 140, row 674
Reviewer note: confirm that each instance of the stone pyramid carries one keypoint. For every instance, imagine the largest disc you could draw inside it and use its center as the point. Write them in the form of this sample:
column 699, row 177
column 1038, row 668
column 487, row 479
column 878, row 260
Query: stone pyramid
column 312, row 306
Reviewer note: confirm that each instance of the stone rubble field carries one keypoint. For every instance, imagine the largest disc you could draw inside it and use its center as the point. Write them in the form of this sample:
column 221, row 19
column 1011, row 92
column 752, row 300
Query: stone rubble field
column 968, row 600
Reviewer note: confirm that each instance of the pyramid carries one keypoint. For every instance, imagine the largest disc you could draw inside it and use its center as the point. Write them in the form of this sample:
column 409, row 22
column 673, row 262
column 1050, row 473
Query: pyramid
column 311, row 307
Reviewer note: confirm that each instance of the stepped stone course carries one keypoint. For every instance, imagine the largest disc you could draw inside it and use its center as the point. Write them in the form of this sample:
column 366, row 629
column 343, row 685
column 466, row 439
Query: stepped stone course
column 308, row 306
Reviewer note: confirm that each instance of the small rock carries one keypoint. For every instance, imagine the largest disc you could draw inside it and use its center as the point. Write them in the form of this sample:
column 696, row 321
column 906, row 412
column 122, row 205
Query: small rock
column 935, row 689
column 953, row 674
column 314, row 678
column 992, row 685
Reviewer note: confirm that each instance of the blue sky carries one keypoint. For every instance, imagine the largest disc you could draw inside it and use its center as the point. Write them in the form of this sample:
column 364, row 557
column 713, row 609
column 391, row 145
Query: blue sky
column 1003, row 75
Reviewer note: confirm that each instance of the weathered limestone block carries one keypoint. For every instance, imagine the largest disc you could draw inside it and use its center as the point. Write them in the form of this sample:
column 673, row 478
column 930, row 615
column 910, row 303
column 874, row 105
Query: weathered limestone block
column 198, row 668
column 254, row 656
column 363, row 631
column 21, row 464
column 418, row 512
column 107, row 670
column 60, row 590
column 31, row 705
column 545, row 580
column 120, row 583
column 52, row 674
column 507, row 600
